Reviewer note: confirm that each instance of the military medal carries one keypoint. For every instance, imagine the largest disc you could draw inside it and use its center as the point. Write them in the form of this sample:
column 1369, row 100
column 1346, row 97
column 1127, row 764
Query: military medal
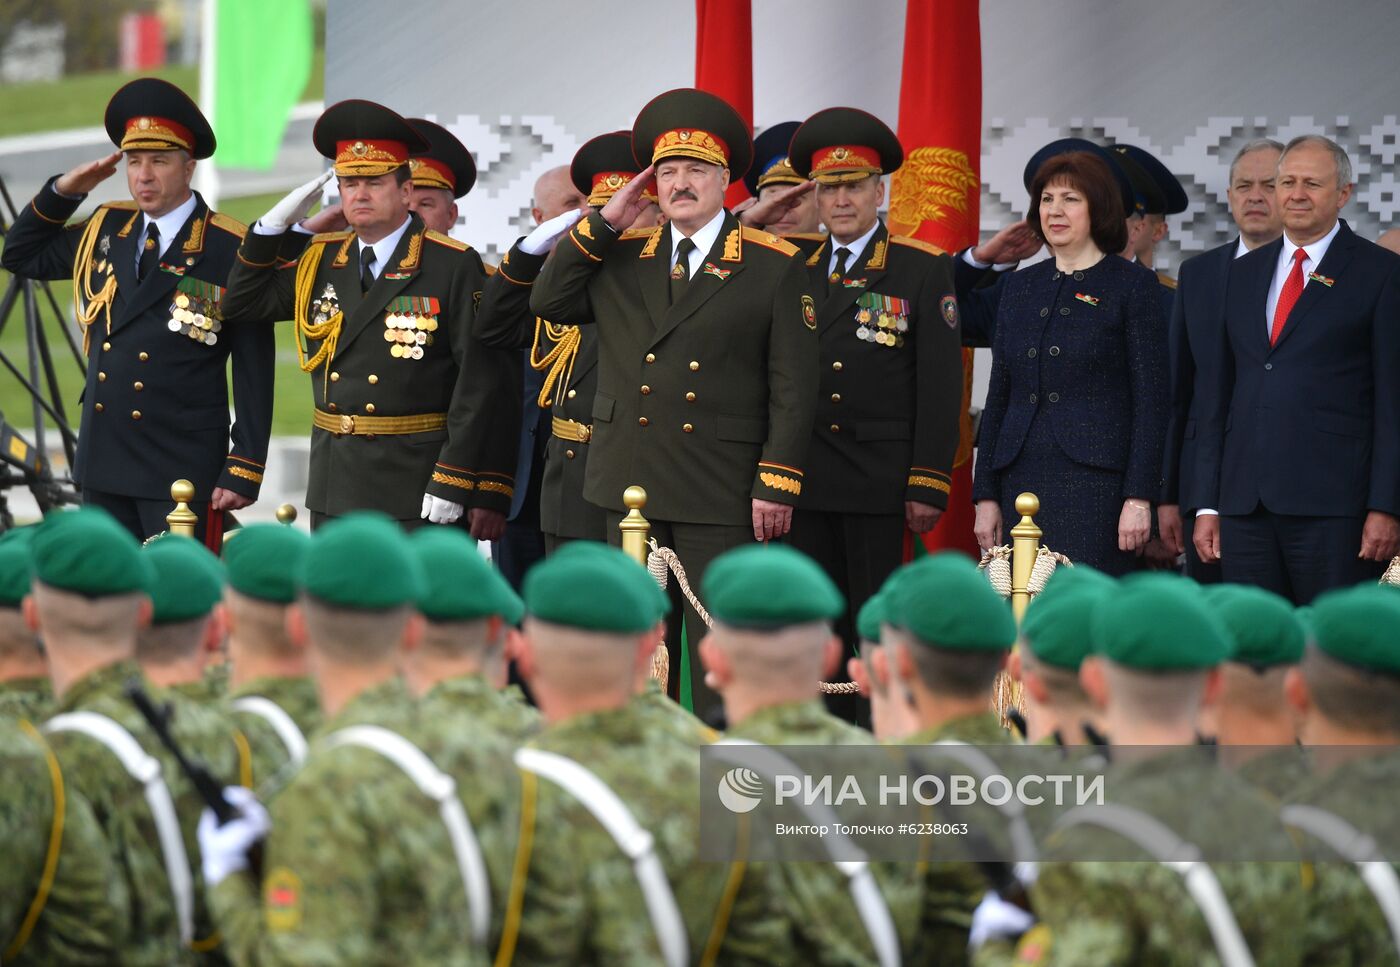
column 863, row 317
column 862, row 334
column 408, row 320
column 889, row 315
column 195, row 309
column 104, row 245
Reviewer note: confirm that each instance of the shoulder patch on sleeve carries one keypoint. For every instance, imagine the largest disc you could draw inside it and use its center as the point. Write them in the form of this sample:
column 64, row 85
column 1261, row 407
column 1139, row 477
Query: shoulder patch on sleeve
column 282, row 901
column 231, row 225
column 1166, row 280
column 446, row 240
column 125, row 206
column 327, row 237
column 641, row 232
column 917, row 243
column 769, row 240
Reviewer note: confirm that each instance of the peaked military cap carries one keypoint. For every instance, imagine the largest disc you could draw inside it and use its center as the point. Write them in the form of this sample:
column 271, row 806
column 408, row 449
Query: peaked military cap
column 187, row 580
column 690, row 123
column 1158, row 623
column 361, row 561
column 149, row 114
column 844, row 144
column 767, row 586
column 458, row 583
column 87, row 552
column 943, row 600
column 1263, row 628
column 1132, row 204
column 445, row 163
column 365, row 139
column 1358, row 626
column 263, row 559
column 594, row 587
column 1057, row 626
column 771, row 165
column 603, row 166
column 1164, row 194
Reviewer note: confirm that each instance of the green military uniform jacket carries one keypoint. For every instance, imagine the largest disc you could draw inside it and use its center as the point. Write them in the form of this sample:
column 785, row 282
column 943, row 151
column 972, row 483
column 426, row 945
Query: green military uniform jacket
column 581, row 903
column 466, row 395
column 357, row 868
column 268, row 753
column 77, row 911
column 706, row 403
column 670, row 719
column 26, row 698
column 472, row 697
column 980, row 728
column 888, row 411
column 155, row 405
column 505, row 321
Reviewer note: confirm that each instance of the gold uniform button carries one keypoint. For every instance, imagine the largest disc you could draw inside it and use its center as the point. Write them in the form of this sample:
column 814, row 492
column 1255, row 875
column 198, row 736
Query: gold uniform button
column 836, row 397
column 641, row 421
column 646, row 390
column 651, row 357
column 144, row 356
column 694, row 365
column 331, row 407
column 688, row 428
column 569, row 454
column 106, row 346
column 138, row 386
column 573, row 393
column 369, row 407
column 836, row 365
column 335, row 377
column 373, row 379
column 102, row 377
column 690, row 397
column 99, row 407
column 836, row 428
column 136, row 414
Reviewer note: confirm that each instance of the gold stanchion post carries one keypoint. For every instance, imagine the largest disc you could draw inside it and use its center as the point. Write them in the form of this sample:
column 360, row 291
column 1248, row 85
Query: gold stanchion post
column 182, row 520
column 287, row 514
column 1025, row 544
column 635, row 528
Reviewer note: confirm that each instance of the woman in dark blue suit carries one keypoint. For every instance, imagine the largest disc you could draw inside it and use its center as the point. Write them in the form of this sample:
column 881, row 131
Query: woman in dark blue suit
column 1077, row 404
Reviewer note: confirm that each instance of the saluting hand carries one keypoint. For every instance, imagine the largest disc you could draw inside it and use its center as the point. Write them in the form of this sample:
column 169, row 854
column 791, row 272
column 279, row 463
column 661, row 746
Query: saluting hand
column 1013, row 243
column 85, row 178
column 775, row 206
column 328, row 219
column 624, row 207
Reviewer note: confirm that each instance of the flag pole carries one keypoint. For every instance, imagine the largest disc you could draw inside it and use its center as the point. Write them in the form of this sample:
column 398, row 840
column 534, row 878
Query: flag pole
column 206, row 174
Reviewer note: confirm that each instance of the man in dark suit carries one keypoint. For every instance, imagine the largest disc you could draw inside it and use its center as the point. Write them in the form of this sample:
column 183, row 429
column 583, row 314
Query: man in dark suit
column 1198, row 318
column 1301, row 450
column 150, row 276
column 707, row 349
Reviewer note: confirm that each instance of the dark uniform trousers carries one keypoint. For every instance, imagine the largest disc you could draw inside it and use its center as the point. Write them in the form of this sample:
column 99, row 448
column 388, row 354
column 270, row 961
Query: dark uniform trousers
column 156, row 399
column 704, row 399
column 886, row 429
column 407, row 402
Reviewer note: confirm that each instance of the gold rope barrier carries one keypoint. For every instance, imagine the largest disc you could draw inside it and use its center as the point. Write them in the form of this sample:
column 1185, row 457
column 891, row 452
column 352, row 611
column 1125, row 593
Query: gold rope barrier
column 635, row 530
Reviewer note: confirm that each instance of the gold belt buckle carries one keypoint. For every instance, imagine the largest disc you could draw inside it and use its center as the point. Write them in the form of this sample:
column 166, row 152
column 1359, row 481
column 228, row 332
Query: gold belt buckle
column 347, row 424
column 585, row 432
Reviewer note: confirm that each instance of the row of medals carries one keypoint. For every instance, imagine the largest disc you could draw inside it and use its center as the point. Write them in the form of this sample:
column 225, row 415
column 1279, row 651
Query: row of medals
column 409, row 334
column 194, row 318
column 888, row 330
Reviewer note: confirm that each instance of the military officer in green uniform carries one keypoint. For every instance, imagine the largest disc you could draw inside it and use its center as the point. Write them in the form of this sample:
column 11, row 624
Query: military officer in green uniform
column 577, row 898
column 567, row 355
column 357, row 865
column 405, row 399
column 149, row 278
column 442, row 173
column 707, row 351
column 886, row 428
column 271, row 696
column 25, row 692
column 773, row 180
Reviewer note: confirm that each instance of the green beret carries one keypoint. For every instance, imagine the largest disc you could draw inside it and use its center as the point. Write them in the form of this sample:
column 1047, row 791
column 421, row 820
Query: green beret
column 1358, row 626
column 945, row 601
column 14, row 566
column 870, row 618
column 1158, row 622
column 1263, row 629
column 262, row 561
column 594, row 587
column 87, row 552
column 360, row 561
column 769, row 586
column 1056, row 626
column 458, row 583
column 187, row 579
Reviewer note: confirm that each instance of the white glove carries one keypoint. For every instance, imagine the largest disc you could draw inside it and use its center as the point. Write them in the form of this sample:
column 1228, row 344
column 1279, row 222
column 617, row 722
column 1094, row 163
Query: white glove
column 995, row 919
column 440, row 511
column 224, row 849
column 544, row 236
column 296, row 206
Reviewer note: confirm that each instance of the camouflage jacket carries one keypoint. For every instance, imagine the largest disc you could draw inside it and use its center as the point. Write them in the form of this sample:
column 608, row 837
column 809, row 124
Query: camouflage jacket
column 504, row 712
column 26, row 698
column 268, row 753
column 669, row 719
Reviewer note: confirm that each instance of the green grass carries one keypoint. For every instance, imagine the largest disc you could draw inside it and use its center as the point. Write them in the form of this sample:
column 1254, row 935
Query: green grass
column 291, row 414
column 79, row 100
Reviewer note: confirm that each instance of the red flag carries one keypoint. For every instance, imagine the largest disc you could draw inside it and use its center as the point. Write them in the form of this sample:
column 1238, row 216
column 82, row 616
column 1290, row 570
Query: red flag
column 935, row 195
column 724, row 64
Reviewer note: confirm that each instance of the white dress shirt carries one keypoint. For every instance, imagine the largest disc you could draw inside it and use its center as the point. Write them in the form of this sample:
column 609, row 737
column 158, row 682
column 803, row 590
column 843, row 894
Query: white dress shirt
column 168, row 225
column 857, row 249
column 1316, row 250
column 704, row 239
column 384, row 248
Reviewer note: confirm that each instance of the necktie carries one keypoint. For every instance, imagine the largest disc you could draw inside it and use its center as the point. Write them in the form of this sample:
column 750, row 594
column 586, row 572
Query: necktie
column 150, row 253
column 1288, row 296
column 837, row 274
column 366, row 270
column 680, row 272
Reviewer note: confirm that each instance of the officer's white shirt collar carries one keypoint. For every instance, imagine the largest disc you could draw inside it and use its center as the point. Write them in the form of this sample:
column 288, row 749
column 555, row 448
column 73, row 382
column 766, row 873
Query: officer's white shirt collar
column 704, row 239
column 857, row 249
column 384, row 248
column 168, row 225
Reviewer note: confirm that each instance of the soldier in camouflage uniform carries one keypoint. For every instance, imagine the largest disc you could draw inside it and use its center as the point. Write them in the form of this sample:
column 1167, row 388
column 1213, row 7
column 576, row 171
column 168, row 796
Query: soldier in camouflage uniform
column 578, row 897
column 24, row 678
column 357, row 867
column 264, row 664
column 1347, row 694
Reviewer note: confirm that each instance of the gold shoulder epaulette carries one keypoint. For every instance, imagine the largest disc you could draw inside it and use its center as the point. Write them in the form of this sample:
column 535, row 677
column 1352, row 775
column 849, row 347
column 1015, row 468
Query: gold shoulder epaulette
column 640, row 232
column 917, row 243
column 126, row 206
column 325, row 238
column 447, row 240
column 229, row 224
column 1166, row 280
column 769, row 240
column 490, row 269
column 806, row 236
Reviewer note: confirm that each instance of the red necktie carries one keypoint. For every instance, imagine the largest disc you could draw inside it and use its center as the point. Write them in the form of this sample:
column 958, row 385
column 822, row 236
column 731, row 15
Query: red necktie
column 1288, row 295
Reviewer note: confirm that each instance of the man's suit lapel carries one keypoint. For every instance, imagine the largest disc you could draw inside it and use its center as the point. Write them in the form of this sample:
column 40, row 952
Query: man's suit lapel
column 182, row 254
column 1257, row 319
column 1333, row 264
column 398, row 274
column 858, row 281
column 725, row 257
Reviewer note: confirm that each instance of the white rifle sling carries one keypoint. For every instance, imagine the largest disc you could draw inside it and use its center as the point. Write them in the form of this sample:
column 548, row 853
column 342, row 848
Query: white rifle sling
column 145, row 769
column 865, row 892
column 1175, row 853
column 277, row 717
column 636, row 843
column 976, row 761
column 439, row 787
column 1358, row 848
